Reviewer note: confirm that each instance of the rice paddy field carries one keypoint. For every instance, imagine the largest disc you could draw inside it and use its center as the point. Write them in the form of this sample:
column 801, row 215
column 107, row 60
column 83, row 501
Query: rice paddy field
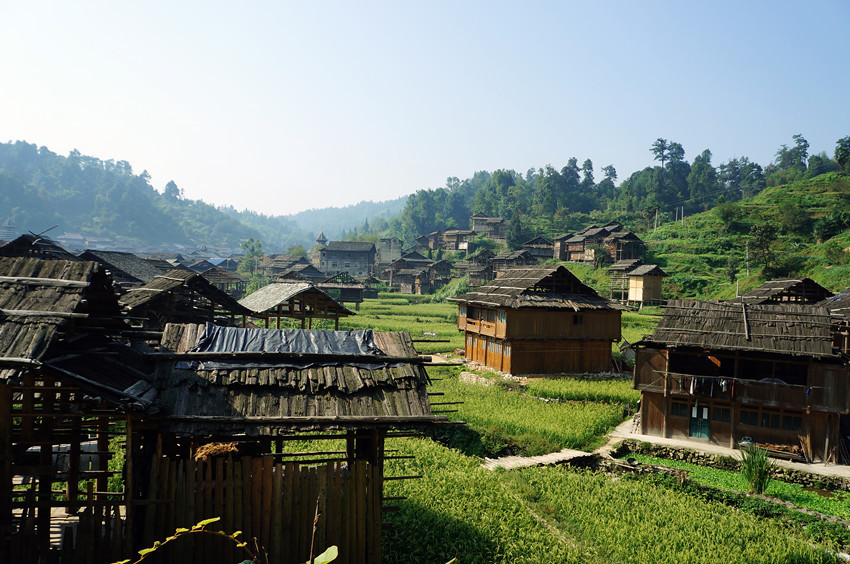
column 459, row 510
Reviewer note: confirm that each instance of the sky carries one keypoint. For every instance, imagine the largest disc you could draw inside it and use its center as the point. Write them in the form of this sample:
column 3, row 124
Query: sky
column 279, row 106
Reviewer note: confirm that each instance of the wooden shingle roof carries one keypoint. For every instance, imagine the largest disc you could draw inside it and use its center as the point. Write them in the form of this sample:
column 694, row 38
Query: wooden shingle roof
column 127, row 267
column 175, row 280
column 279, row 294
column 793, row 329
column 537, row 287
column 338, row 391
column 802, row 290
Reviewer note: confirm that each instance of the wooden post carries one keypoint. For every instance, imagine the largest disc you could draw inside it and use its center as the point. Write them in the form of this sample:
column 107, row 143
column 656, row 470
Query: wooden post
column 5, row 470
column 129, row 484
column 734, row 411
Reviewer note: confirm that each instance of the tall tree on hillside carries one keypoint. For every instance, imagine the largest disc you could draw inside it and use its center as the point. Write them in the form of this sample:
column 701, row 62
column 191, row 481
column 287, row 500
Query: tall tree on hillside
column 702, row 181
column 569, row 184
column 545, row 191
column 606, row 186
column 660, row 150
column 842, row 153
column 752, row 177
column 676, row 173
column 730, row 178
column 587, row 183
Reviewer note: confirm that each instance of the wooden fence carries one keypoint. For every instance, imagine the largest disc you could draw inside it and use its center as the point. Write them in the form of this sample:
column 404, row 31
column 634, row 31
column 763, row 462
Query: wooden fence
column 270, row 501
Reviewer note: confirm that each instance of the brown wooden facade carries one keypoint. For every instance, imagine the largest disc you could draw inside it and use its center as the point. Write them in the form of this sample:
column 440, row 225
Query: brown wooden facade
column 725, row 391
column 552, row 324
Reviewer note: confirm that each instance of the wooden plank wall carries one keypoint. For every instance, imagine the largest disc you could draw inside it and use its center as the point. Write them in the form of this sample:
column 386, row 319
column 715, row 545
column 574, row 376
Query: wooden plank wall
column 274, row 502
column 586, row 324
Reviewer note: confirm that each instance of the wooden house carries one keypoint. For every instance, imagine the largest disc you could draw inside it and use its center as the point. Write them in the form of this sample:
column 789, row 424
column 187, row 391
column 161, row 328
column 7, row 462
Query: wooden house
column 255, row 390
column 230, row 282
column 623, row 245
column 66, row 391
column 619, row 278
column 722, row 371
column 495, row 228
column 344, row 288
column 354, row 257
column 272, row 266
column 179, row 296
column 538, row 320
column 303, row 271
column 540, row 248
column 801, row 291
column 645, row 285
column 296, row 300
column 513, row 259
column 457, row 239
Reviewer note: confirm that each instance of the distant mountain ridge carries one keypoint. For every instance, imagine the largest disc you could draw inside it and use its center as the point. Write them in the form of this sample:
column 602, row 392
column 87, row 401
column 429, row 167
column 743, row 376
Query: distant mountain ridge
column 105, row 202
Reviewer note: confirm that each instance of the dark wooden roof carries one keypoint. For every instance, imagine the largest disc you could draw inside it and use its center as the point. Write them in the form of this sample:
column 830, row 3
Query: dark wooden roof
column 57, row 317
column 276, row 399
column 543, row 287
column 803, row 290
column 625, row 265
column 793, row 329
column 538, row 241
column 173, row 281
column 647, row 270
column 127, row 267
column 219, row 275
column 838, row 304
column 38, row 297
column 36, row 246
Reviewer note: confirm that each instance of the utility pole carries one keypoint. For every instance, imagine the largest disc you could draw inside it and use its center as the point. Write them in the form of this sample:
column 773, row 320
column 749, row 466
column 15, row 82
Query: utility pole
column 656, row 220
column 747, row 248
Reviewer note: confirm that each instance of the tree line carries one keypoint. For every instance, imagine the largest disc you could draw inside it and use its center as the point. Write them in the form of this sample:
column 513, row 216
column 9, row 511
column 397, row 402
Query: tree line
column 551, row 201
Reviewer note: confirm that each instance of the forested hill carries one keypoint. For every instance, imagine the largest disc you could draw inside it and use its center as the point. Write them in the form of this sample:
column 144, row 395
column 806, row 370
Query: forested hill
column 548, row 201
column 101, row 199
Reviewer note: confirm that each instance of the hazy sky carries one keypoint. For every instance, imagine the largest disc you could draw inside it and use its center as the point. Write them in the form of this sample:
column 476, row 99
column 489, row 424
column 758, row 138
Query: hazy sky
column 282, row 106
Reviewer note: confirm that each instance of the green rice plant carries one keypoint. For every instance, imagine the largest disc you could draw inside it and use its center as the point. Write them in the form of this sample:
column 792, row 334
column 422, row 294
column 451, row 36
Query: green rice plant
column 757, row 468
column 575, row 389
column 459, row 510
column 632, row 520
column 526, row 423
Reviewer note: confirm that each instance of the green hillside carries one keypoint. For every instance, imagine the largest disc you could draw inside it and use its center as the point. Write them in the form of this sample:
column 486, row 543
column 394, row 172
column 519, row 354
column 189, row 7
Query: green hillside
column 793, row 230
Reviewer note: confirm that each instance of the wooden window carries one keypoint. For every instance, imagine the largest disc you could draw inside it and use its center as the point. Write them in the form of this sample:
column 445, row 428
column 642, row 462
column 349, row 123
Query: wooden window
column 503, row 317
column 770, row 419
column 491, row 315
column 507, row 349
column 578, row 319
column 679, row 409
column 722, row 414
column 461, row 310
column 792, row 423
column 749, row 417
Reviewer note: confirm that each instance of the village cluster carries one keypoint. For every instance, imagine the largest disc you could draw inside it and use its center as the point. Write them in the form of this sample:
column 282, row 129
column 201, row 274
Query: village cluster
column 167, row 356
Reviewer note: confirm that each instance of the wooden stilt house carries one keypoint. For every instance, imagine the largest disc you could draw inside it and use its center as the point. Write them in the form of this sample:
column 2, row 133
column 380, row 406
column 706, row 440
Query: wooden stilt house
column 256, row 390
column 66, row 392
column 721, row 371
column 538, row 320
column 297, row 300
column 180, row 296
